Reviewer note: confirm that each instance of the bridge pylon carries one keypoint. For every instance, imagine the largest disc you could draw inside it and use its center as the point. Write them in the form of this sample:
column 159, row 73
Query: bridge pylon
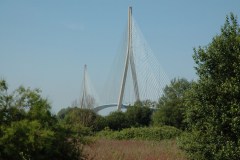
column 87, row 100
column 129, row 60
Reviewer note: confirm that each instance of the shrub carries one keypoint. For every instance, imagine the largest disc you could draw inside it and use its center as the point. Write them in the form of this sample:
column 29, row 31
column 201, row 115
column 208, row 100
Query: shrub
column 117, row 120
column 100, row 123
column 138, row 116
column 151, row 133
column 84, row 117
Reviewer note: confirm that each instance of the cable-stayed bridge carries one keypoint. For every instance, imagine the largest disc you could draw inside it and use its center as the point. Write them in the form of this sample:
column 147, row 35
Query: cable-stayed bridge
column 136, row 75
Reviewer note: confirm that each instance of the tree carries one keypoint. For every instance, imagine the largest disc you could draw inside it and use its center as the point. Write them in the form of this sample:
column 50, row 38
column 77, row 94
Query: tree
column 139, row 114
column 213, row 112
column 27, row 139
column 5, row 99
column 100, row 123
column 84, row 117
column 8, row 110
column 79, row 122
column 38, row 108
column 171, row 108
column 28, row 130
column 117, row 120
column 146, row 103
column 63, row 112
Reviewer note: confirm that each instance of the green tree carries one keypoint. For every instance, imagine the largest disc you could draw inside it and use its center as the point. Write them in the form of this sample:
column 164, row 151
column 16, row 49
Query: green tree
column 139, row 114
column 28, row 130
column 5, row 99
column 63, row 112
column 213, row 114
column 171, row 108
column 146, row 103
column 100, row 123
column 84, row 117
column 37, row 107
column 81, row 120
column 27, row 139
column 8, row 111
column 117, row 120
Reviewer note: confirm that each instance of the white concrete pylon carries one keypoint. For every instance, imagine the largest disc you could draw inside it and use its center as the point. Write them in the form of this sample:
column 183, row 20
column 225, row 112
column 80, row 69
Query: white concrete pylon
column 129, row 59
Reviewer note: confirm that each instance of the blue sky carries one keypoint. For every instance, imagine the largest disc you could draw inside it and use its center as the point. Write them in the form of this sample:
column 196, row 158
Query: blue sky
column 45, row 44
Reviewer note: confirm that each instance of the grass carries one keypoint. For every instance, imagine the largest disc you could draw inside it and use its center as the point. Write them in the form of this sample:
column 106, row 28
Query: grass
column 106, row 149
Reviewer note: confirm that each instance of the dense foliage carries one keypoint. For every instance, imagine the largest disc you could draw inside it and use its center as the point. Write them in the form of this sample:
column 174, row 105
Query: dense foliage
column 28, row 130
column 117, row 120
column 138, row 115
column 171, row 107
column 213, row 114
column 150, row 133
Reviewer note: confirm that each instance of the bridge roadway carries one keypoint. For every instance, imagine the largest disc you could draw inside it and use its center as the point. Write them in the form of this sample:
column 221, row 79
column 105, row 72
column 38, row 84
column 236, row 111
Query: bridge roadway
column 99, row 108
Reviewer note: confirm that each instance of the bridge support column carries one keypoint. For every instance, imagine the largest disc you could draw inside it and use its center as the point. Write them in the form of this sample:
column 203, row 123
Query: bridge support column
column 84, row 94
column 129, row 59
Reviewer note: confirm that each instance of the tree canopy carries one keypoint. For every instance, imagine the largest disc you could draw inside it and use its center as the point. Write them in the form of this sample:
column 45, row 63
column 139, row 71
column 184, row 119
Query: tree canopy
column 213, row 113
column 171, row 107
column 28, row 130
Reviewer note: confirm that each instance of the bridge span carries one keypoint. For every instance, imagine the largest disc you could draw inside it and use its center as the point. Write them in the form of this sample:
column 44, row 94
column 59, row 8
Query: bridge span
column 99, row 108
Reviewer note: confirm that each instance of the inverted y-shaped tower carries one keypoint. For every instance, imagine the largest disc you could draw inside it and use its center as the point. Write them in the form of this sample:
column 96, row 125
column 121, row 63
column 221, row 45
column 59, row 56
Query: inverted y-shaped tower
column 84, row 91
column 129, row 60
column 88, row 97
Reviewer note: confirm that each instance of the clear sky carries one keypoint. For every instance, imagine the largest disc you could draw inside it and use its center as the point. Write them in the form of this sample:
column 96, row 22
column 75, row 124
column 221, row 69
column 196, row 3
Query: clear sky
column 45, row 43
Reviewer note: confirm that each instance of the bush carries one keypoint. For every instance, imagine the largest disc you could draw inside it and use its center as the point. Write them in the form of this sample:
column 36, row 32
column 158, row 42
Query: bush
column 117, row 120
column 152, row 133
column 30, row 140
column 100, row 123
column 78, row 116
column 192, row 144
column 138, row 116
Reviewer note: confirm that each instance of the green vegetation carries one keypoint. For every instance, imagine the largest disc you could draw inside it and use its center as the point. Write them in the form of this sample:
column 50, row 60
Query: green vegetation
column 139, row 115
column 135, row 116
column 203, row 115
column 213, row 112
column 117, row 120
column 146, row 133
column 29, row 131
column 171, row 105
column 79, row 121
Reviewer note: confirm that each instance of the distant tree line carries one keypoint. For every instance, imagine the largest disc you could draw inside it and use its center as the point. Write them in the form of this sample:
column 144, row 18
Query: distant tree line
column 135, row 116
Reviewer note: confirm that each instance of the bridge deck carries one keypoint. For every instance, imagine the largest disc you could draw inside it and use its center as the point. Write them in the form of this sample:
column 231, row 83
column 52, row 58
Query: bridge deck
column 99, row 108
